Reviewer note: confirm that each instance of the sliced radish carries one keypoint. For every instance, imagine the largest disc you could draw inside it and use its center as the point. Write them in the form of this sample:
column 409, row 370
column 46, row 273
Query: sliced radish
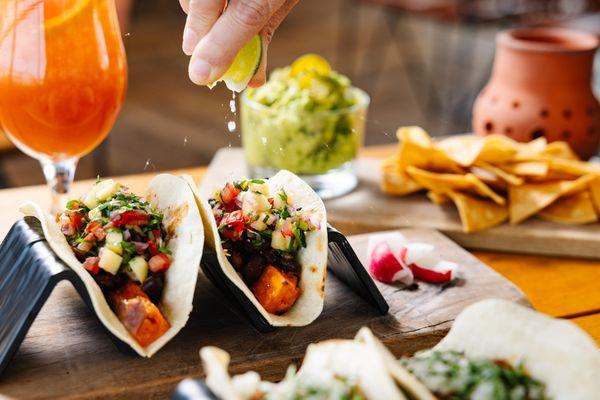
column 426, row 265
column 386, row 267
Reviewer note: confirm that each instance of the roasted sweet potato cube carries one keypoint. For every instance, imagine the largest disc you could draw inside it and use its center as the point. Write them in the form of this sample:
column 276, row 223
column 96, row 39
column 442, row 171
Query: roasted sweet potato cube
column 139, row 315
column 275, row 290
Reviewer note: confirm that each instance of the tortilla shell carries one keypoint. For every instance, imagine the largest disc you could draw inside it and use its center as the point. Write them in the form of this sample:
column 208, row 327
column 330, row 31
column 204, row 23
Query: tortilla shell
column 312, row 258
column 172, row 196
column 554, row 351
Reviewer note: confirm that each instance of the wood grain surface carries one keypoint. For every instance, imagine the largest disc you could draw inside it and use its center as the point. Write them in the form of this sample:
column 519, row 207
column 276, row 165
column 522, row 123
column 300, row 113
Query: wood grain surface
column 381, row 211
column 67, row 355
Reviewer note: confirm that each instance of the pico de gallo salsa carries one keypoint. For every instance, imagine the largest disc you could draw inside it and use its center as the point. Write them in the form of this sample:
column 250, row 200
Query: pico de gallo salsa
column 120, row 240
column 261, row 234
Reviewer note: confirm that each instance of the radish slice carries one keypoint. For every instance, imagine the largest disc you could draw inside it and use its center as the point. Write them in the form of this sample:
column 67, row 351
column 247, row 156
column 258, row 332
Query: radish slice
column 425, row 265
column 385, row 267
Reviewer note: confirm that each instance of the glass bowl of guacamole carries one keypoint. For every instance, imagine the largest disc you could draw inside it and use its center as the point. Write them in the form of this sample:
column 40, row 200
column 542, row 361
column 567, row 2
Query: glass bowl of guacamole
column 307, row 119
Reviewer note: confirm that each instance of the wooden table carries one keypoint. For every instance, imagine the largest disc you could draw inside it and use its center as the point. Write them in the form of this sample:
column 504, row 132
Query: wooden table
column 566, row 288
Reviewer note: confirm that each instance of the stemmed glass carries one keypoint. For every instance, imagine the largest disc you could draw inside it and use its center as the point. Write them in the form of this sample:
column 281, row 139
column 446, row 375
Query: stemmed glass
column 63, row 77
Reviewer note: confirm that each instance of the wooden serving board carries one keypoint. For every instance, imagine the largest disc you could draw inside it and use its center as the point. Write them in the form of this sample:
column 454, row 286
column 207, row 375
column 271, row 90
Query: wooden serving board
column 67, row 355
column 367, row 209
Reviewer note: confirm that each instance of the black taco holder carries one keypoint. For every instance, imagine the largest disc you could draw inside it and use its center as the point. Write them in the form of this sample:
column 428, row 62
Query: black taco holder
column 29, row 271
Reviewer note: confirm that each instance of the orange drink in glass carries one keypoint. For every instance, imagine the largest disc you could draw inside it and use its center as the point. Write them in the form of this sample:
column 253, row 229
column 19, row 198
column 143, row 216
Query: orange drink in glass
column 63, row 77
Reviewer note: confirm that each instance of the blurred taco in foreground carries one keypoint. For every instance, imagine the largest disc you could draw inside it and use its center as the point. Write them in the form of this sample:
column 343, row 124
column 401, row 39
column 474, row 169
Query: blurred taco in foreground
column 137, row 256
column 495, row 350
column 270, row 237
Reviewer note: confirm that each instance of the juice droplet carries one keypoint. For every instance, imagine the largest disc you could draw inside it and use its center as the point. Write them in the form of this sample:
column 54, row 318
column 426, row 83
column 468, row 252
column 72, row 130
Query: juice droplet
column 231, row 125
column 149, row 165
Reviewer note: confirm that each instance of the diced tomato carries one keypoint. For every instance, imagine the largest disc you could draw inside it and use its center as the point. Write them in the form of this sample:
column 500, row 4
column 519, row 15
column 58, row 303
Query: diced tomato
column 286, row 228
column 152, row 247
column 96, row 229
column 159, row 263
column 132, row 217
column 232, row 225
column 93, row 226
column 77, row 220
column 271, row 201
column 91, row 264
column 229, row 193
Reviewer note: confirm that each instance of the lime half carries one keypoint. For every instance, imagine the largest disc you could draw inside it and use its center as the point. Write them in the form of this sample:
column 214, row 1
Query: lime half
column 244, row 66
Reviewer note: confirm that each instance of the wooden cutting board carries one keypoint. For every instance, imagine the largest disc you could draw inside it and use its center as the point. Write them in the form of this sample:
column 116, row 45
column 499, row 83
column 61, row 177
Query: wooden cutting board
column 367, row 209
column 67, row 355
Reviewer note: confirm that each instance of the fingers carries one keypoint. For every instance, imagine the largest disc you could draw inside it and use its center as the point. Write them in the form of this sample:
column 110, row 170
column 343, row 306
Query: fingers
column 267, row 35
column 215, row 52
column 184, row 5
column 202, row 15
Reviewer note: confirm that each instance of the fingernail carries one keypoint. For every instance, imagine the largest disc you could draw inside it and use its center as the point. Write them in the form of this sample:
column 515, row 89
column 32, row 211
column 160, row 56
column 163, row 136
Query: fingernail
column 200, row 72
column 190, row 40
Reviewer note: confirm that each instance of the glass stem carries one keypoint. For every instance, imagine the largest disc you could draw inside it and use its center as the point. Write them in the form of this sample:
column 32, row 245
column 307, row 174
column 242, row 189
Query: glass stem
column 59, row 177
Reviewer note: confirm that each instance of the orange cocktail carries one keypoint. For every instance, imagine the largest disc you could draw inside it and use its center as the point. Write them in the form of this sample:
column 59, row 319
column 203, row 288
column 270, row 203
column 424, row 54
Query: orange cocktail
column 63, row 77
column 62, row 74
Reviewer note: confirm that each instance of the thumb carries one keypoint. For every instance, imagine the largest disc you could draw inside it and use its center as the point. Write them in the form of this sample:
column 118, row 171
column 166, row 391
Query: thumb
column 240, row 21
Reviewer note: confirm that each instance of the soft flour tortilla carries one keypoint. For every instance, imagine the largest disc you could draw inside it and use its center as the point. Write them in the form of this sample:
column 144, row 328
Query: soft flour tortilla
column 360, row 361
column 312, row 258
column 556, row 352
column 182, row 220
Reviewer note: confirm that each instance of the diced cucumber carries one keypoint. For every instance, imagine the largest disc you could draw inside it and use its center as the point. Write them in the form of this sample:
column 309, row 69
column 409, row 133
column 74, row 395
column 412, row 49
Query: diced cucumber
column 105, row 189
column 254, row 203
column 94, row 213
column 261, row 188
column 280, row 242
column 139, row 268
column 113, row 241
column 109, row 261
column 90, row 199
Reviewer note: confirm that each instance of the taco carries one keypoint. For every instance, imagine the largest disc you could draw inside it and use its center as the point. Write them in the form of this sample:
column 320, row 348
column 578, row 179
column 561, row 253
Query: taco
column 138, row 257
column 270, row 238
column 495, row 350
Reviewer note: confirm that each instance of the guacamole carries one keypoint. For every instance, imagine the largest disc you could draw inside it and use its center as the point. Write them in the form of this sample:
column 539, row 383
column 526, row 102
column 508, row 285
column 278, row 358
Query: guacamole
column 306, row 119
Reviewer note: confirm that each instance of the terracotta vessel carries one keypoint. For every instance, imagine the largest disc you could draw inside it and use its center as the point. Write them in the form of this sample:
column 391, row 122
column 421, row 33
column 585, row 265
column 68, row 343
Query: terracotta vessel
column 541, row 86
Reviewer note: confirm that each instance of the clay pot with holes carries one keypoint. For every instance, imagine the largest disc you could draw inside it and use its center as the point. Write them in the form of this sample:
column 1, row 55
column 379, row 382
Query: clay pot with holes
column 541, row 86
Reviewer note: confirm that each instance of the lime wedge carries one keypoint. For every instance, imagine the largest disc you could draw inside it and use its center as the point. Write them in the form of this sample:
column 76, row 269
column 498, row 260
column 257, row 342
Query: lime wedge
column 244, row 66
column 60, row 12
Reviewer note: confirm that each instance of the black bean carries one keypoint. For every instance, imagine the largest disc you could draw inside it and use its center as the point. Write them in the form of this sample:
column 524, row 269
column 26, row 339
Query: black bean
column 153, row 287
column 236, row 260
column 254, row 268
column 288, row 263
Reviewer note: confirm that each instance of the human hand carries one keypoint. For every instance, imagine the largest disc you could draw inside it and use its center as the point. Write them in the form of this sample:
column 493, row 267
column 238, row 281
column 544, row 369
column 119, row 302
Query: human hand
column 216, row 30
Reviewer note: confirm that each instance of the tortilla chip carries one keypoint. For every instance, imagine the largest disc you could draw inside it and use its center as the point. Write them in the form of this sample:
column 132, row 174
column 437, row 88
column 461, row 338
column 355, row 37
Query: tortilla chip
column 497, row 149
column 438, row 182
column 500, row 173
column 530, row 151
column 527, row 168
column 395, row 181
column 438, row 198
column 417, row 149
column 528, row 199
column 595, row 193
column 559, row 149
column 573, row 167
column 478, row 214
column 575, row 209
column 465, row 150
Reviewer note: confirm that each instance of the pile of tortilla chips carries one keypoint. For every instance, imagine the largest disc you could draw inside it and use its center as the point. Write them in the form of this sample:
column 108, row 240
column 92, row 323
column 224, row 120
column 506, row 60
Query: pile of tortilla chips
column 492, row 179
